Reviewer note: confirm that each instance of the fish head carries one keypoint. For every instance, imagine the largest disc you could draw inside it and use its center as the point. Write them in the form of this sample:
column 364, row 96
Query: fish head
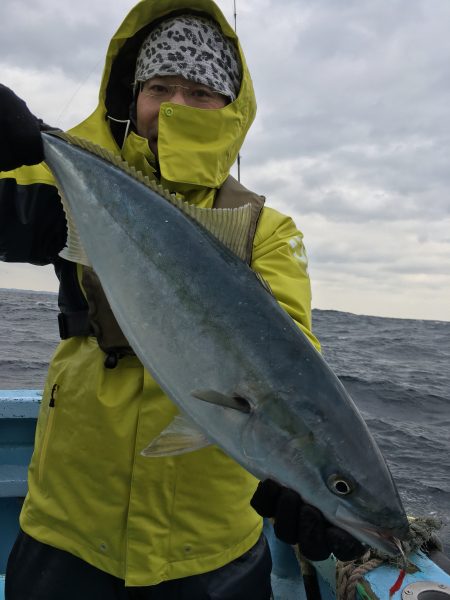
column 365, row 502
column 334, row 464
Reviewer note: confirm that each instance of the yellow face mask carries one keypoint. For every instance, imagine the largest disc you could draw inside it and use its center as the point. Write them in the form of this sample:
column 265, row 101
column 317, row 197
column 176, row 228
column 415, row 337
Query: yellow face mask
column 198, row 146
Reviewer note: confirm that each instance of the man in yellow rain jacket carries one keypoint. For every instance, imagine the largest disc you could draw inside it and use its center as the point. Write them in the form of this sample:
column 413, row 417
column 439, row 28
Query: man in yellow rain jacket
column 101, row 521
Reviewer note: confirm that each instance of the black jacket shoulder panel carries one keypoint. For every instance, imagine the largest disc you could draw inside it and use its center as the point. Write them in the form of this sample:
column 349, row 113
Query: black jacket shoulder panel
column 32, row 223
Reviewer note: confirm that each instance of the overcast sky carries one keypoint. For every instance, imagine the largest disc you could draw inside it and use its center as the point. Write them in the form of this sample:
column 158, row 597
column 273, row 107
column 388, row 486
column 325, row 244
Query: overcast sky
column 352, row 136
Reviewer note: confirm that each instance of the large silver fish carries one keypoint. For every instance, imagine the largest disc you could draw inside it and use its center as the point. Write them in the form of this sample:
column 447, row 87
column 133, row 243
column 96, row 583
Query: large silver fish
column 224, row 351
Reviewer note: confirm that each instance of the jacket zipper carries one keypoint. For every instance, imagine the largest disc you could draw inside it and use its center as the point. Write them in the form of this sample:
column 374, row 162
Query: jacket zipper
column 48, row 429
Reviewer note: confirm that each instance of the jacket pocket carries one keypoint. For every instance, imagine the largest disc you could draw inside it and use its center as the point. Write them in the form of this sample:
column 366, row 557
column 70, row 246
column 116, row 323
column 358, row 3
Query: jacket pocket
column 48, row 430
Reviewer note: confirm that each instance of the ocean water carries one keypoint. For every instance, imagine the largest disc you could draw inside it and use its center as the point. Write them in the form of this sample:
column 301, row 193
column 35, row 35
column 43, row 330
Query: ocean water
column 396, row 370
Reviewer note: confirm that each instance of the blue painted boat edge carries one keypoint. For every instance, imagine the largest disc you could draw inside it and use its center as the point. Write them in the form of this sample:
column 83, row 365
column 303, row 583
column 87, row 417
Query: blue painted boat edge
column 384, row 577
column 2, row 587
column 19, row 404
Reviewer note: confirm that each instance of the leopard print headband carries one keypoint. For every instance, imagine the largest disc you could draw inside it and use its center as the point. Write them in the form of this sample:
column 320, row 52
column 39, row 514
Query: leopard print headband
column 195, row 48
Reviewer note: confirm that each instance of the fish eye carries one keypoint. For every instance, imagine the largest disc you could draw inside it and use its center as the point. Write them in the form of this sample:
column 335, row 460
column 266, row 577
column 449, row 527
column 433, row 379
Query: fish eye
column 339, row 485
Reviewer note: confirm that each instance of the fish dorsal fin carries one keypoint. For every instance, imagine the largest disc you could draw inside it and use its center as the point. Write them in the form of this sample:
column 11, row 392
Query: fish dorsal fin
column 114, row 159
column 229, row 225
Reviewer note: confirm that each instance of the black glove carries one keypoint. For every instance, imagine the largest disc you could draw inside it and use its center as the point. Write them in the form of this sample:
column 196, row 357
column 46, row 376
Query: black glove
column 20, row 137
column 296, row 522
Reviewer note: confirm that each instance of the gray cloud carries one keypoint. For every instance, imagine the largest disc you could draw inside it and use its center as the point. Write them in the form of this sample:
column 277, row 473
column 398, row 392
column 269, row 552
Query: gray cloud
column 351, row 136
column 47, row 34
column 364, row 92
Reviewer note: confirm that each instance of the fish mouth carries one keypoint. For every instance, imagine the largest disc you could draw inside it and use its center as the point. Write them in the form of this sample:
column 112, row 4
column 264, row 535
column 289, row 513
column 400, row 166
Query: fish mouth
column 386, row 540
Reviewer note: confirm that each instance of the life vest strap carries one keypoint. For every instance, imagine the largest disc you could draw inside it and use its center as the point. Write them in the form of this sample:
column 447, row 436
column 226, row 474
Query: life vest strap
column 74, row 324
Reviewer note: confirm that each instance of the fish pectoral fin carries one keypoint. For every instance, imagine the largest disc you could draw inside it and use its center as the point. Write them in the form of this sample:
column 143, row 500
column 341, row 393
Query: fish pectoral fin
column 179, row 437
column 235, row 401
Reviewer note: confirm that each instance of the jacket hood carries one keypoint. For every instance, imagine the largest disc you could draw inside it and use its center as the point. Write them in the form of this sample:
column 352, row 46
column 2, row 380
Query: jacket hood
column 196, row 147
